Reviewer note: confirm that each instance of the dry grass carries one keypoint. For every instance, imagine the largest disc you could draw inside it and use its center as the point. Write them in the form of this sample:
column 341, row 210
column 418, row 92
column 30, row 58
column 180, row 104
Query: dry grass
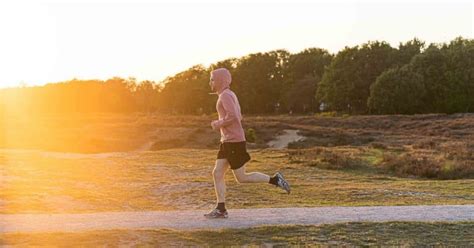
column 445, row 160
column 327, row 158
column 454, row 164
column 346, row 161
column 36, row 182
column 389, row 234
column 121, row 132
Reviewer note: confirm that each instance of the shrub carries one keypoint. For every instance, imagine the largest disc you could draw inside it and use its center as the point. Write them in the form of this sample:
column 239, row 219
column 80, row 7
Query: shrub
column 250, row 135
column 427, row 166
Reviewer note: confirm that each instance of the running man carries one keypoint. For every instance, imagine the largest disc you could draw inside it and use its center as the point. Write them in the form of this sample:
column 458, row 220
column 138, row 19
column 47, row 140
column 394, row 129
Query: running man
column 232, row 149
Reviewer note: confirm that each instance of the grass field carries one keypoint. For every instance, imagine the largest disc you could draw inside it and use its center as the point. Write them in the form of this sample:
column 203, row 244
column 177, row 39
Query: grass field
column 181, row 179
column 393, row 234
column 113, row 162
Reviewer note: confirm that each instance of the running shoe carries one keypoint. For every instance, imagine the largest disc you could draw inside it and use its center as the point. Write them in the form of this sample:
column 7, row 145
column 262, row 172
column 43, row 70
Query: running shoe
column 282, row 183
column 216, row 213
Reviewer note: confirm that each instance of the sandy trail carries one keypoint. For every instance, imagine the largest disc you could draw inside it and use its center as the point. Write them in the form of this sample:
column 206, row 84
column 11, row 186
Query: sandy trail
column 282, row 141
column 238, row 218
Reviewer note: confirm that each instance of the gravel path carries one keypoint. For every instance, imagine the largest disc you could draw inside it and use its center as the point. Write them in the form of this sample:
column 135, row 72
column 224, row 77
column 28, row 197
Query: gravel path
column 238, row 218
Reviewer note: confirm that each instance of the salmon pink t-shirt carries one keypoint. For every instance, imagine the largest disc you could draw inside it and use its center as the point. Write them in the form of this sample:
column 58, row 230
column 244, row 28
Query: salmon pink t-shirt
column 230, row 117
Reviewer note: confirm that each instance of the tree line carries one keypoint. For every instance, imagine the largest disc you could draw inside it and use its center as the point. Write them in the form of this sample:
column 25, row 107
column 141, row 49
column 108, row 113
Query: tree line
column 371, row 78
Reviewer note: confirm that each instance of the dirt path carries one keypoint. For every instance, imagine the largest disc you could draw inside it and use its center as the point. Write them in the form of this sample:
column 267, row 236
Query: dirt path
column 238, row 218
column 282, row 141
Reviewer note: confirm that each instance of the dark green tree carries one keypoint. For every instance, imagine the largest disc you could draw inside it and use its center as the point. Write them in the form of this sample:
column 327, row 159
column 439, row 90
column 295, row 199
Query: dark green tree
column 188, row 91
column 397, row 91
column 304, row 72
column 346, row 84
column 258, row 79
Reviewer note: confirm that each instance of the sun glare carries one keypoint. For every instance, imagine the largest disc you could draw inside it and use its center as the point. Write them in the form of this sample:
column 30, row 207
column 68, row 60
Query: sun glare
column 52, row 42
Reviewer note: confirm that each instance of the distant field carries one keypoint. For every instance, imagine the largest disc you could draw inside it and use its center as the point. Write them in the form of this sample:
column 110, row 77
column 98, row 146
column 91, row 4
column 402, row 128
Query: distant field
column 92, row 133
column 149, row 162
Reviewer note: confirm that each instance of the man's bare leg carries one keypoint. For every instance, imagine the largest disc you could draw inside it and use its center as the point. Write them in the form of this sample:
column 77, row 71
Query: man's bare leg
column 220, row 168
column 254, row 177
column 218, row 174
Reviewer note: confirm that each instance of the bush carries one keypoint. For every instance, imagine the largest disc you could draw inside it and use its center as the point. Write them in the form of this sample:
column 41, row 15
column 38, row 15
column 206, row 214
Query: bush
column 327, row 114
column 250, row 135
column 378, row 145
column 427, row 166
column 326, row 158
column 409, row 165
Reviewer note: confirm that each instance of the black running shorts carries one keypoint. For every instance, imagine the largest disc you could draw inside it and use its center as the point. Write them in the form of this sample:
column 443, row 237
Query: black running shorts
column 235, row 152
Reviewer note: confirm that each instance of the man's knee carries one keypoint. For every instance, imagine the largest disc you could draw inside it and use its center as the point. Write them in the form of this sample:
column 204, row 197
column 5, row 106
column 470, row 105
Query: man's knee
column 218, row 172
column 220, row 168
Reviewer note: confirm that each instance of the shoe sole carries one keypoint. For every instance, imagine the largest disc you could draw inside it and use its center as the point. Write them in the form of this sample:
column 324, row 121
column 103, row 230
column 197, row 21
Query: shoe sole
column 220, row 217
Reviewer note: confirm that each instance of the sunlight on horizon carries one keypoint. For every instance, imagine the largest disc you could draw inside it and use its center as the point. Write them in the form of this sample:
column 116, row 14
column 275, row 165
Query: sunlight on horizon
column 52, row 42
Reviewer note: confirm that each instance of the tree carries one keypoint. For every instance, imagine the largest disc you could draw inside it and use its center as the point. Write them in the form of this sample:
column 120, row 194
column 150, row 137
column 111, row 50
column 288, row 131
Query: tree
column 118, row 94
column 370, row 78
column 303, row 73
column 460, row 75
column 346, row 84
column 257, row 80
column 146, row 96
column 188, row 91
column 397, row 91
column 409, row 49
column 441, row 78
column 446, row 78
column 299, row 98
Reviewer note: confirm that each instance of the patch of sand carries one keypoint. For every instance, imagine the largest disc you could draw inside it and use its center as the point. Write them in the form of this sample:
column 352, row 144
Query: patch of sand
column 288, row 136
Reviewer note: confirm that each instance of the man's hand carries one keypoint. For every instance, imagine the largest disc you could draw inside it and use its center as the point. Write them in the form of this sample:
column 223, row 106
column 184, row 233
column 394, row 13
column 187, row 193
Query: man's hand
column 214, row 124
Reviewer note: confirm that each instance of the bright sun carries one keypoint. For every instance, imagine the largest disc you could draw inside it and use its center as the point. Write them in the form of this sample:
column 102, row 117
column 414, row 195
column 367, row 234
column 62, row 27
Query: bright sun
column 51, row 42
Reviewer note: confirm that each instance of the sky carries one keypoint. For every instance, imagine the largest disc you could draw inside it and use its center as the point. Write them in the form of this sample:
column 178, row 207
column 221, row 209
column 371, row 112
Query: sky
column 53, row 41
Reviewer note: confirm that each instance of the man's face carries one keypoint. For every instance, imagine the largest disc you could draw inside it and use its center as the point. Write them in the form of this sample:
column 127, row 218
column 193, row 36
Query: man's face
column 211, row 83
